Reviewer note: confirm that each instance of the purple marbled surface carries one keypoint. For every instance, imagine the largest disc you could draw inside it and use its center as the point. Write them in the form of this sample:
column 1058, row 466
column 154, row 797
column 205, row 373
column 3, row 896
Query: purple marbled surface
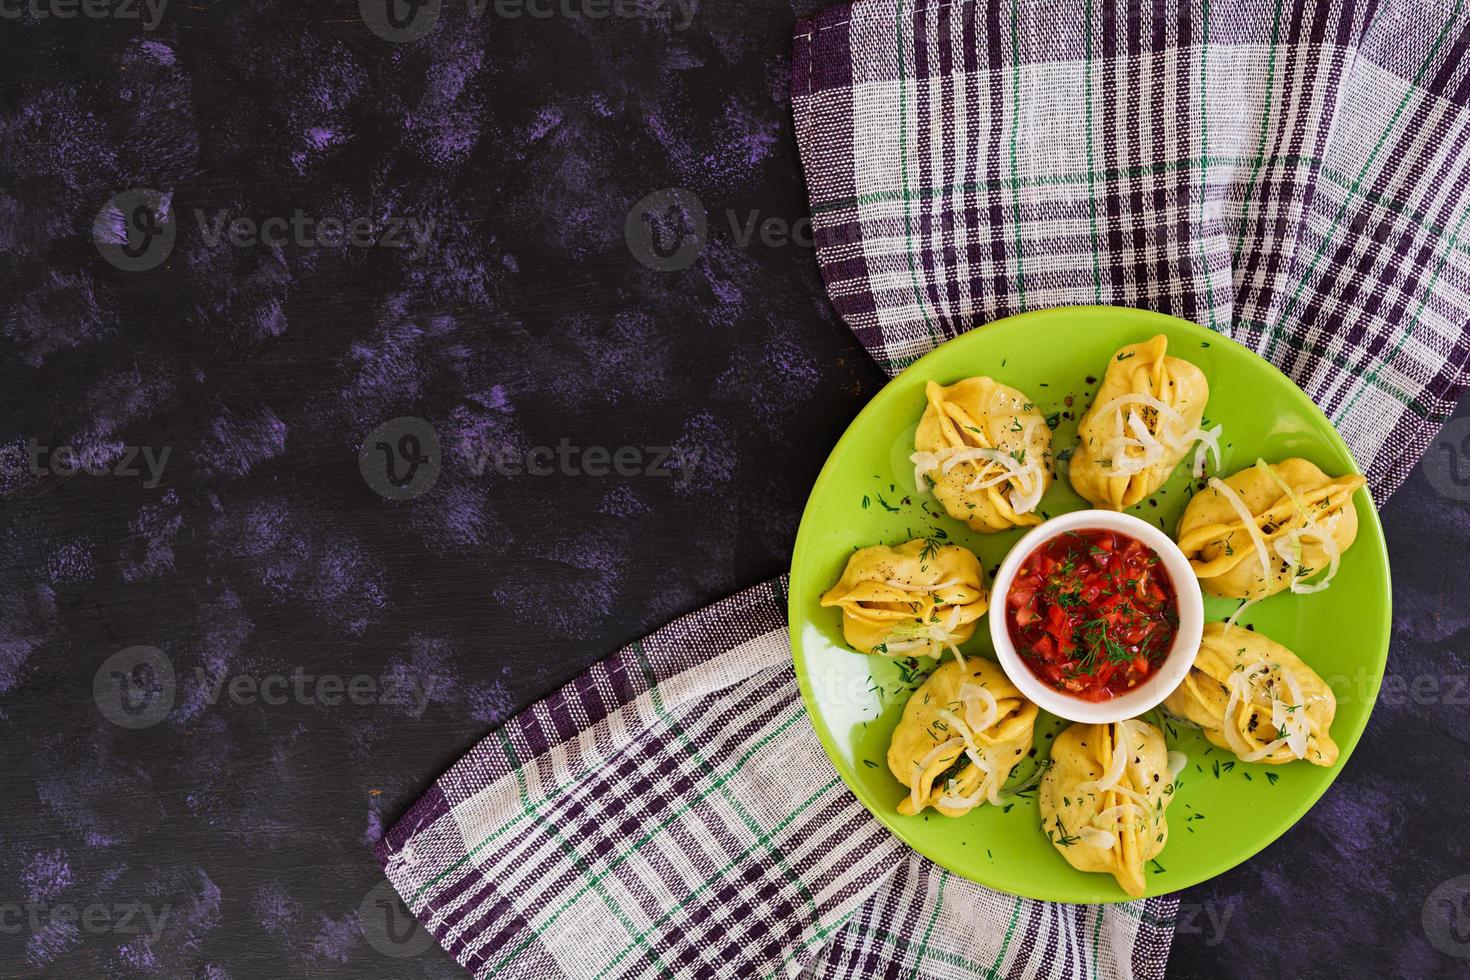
column 231, row 837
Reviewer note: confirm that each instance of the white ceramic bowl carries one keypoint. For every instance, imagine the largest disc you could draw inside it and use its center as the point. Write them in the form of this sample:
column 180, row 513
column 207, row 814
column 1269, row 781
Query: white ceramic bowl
column 1176, row 664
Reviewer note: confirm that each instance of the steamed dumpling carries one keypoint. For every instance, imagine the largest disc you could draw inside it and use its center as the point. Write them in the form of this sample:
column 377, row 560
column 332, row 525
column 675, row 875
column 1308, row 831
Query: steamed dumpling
column 1145, row 417
column 915, row 600
column 961, row 734
column 1282, row 500
column 985, row 449
column 1254, row 697
column 1103, row 799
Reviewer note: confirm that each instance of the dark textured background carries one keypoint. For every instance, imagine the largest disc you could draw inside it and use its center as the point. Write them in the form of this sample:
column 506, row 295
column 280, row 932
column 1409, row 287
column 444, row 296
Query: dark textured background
column 526, row 321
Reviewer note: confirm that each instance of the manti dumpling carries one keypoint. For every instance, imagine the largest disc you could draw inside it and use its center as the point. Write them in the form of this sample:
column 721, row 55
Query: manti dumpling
column 985, row 449
column 915, row 600
column 961, row 734
column 1146, row 415
column 1254, row 697
column 1103, row 799
column 1269, row 528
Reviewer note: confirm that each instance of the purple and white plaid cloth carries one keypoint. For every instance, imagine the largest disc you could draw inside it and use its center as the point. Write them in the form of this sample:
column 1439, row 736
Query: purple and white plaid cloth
column 1292, row 174
column 670, row 813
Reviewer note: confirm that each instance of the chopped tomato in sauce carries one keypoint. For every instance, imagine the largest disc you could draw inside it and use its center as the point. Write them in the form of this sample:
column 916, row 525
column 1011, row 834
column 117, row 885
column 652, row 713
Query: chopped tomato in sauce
column 1092, row 613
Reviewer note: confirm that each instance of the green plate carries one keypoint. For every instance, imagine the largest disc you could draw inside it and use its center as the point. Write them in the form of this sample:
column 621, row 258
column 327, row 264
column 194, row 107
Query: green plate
column 1225, row 810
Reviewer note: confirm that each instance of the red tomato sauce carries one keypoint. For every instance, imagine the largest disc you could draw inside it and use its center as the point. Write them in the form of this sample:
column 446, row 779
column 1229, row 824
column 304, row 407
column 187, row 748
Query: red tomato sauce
column 1092, row 613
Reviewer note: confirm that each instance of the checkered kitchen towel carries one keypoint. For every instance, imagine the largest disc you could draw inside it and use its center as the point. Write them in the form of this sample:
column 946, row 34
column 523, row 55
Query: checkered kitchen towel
column 670, row 813
column 1292, row 174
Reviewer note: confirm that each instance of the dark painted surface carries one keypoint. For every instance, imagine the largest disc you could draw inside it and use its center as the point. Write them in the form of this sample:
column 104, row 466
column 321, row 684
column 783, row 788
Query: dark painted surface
column 243, row 828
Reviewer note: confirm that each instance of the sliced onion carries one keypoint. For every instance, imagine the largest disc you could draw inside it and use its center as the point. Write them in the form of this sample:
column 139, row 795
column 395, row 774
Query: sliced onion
column 1243, row 512
column 1265, row 750
column 1020, row 475
column 961, row 802
column 1093, row 837
column 1119, row 761
column 1237, row 744
column 932, row 640
column 1209, row 439
column 944, row 633
column 981, row 709
column 1130, row 794
column 954, row 720
column 1239, row 685
column 947, row 459
column 1296, row 740
column 923, row 764
column 1121, row 462
column 972, row 751
column 1299, row 583
column 923, row 462
column 1297, row 733
column 1025, row 503
column 939, row 750
column 1289, row 548
column 987, row 786
column 1152, row 448
column 985, row 791
column 1289, row 676
column 1025, row 784
column 1127, row 466
column 1006, row 461
column 1297, row 502
column 1310, row 528
column 1164, row 409
column 897, row 648
column 1154, row 444
column 1121, row 812
column 1242, row 608
column 1177, row 761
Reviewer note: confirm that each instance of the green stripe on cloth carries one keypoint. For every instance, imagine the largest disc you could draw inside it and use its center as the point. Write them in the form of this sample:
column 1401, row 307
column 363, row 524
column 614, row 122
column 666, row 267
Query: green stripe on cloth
column 1097, row 296
column 1316, row 164
column 1015, row 131
column 903, row 170
column 1372, row 378
column 1250, row 184
column 1005, row 943
column 533, row 897
column 903, row 944
column 1202, row 104
column 933, row 916
column 1403, row 104
column 1343, row 73
column 652, row 833
column 762, row 841
column 750, row 822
